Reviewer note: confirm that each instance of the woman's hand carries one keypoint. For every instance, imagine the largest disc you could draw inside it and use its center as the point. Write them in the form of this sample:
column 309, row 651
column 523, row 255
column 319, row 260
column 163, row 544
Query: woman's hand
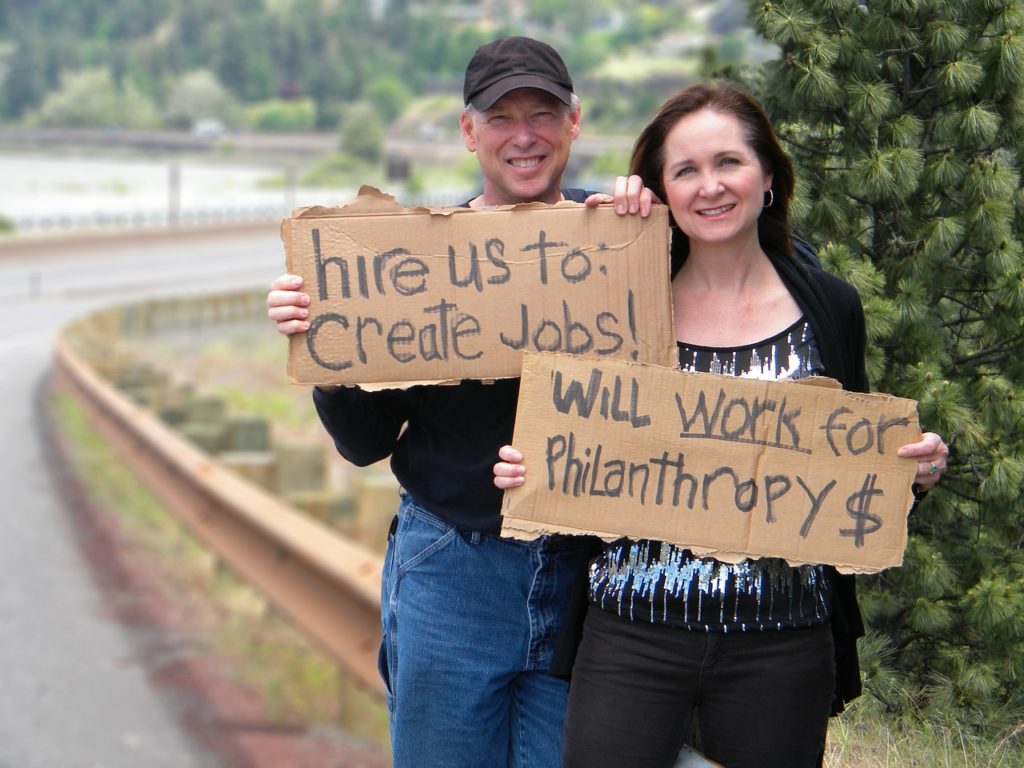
column 931, row 452
column 508, row 473
column 631, row 196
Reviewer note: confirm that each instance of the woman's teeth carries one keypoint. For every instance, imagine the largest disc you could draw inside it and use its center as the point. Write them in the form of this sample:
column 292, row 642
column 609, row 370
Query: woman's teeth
column 715, row 211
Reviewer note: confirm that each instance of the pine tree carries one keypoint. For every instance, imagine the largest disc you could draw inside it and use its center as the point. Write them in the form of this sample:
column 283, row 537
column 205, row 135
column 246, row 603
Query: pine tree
column 905, row 119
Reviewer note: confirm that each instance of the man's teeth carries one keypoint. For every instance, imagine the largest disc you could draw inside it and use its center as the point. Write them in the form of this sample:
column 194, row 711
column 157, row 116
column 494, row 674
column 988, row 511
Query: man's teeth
column 524, row 163
column 715, row 211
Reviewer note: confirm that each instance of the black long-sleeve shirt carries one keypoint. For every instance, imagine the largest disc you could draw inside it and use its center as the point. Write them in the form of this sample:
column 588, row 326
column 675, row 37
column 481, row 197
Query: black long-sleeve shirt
column 443, row 439
column 445, row 453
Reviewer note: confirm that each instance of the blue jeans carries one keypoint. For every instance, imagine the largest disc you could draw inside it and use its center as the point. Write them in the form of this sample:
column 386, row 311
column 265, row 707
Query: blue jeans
column 469, row 622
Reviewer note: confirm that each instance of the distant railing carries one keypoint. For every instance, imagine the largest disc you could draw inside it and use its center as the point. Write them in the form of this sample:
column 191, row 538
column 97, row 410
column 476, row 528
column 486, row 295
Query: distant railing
column 306, row 143
column 149, row 219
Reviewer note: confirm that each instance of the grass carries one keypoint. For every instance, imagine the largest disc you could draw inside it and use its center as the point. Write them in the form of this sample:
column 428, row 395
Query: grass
column 297, row 683
column 864, row 737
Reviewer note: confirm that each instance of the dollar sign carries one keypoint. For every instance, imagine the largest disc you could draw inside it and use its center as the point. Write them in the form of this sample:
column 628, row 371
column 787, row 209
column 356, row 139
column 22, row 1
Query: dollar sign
column 857, row 505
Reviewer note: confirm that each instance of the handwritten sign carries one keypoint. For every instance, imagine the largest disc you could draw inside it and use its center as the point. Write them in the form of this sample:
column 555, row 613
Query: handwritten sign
column 728, row 467
column 415, row 294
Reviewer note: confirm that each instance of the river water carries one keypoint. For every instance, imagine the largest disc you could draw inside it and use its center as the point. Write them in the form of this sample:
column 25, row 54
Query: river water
column 73, row 191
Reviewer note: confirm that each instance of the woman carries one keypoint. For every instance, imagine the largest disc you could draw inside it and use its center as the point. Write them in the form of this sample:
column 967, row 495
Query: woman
column 742, row 654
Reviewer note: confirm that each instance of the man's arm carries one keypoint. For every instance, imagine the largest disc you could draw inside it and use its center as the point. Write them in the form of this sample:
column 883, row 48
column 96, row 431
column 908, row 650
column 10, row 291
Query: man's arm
column 364, row 425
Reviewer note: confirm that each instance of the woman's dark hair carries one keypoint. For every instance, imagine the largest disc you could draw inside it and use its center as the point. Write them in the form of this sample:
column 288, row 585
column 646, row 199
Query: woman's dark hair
column 648, row 159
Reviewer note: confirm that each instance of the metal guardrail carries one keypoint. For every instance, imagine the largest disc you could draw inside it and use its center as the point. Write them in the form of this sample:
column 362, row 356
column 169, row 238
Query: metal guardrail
column 327, row 585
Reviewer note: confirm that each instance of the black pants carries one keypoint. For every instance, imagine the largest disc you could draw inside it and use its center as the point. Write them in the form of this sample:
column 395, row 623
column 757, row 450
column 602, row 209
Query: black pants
column 761, row 699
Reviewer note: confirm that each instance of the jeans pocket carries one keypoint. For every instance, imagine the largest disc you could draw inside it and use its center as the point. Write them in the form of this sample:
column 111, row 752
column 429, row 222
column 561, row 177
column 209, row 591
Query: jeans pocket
column 420, row 535
column 388, row 584
column 385, row 673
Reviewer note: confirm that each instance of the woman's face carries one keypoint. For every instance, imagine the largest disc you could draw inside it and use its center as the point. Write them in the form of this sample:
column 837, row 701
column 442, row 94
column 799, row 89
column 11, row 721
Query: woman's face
column 713, row 179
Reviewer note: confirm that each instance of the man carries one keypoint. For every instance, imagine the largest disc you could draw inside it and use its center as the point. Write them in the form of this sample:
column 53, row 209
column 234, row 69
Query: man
column 469, row 619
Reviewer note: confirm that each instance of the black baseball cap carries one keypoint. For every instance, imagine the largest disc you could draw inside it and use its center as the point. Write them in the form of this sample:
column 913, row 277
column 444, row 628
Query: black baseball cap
column 514, row 62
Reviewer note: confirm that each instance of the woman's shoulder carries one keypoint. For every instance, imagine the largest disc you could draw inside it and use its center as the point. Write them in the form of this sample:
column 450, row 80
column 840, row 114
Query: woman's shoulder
column 834, row 287
column 833, row 283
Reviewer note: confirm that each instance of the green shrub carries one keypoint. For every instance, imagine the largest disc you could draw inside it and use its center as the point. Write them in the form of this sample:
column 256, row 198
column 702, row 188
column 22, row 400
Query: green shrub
column 282, row 116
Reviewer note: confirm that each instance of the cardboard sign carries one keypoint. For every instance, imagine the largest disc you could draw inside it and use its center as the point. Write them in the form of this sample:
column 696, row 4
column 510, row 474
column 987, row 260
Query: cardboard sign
column 729, row 467
column 412, row 295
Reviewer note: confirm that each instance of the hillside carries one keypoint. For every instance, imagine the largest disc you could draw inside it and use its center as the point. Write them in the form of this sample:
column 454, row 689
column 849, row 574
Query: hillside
column 305, row 64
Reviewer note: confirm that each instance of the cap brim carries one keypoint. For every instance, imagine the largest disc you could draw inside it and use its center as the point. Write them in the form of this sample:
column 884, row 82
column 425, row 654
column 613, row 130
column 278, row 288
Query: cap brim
column 488, row 96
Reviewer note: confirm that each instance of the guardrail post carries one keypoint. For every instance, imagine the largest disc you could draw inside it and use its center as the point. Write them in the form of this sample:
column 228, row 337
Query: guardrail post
column 291, row 184
column 248, row 433
column 206, row 408
column 299, row 468
column 376, row 504
column 173, row 193
column 205, row 425
column 325, row 505
column 142, row 383
column 173, row 407
column 256, row 466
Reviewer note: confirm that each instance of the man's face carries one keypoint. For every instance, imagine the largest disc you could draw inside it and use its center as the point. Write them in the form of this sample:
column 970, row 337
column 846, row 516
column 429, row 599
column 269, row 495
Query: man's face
column 522, row 143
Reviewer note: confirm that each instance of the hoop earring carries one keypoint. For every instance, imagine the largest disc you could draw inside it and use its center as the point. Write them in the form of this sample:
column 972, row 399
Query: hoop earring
column 771, row 198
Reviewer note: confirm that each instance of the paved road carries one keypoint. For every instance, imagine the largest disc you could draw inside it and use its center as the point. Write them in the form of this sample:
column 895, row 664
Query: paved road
column 73, row 691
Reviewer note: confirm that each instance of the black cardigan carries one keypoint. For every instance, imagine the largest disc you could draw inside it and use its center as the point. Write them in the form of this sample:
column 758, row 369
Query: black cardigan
column 836, row 314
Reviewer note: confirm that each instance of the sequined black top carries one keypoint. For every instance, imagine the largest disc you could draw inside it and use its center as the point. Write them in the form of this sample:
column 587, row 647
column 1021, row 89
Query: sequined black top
column 666, row 584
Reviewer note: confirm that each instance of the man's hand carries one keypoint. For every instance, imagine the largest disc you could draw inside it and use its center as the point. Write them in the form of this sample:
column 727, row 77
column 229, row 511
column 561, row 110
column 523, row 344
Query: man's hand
column 287, row 305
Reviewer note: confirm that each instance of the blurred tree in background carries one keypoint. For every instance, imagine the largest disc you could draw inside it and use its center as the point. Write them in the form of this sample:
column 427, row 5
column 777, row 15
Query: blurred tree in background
column 25, row 84
column 258, row 50
column 362, row 131
column 906, row 121
column 389, row 95
column 90, row 98
column 285, row 115
column 335, row 53
column 196, row 96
